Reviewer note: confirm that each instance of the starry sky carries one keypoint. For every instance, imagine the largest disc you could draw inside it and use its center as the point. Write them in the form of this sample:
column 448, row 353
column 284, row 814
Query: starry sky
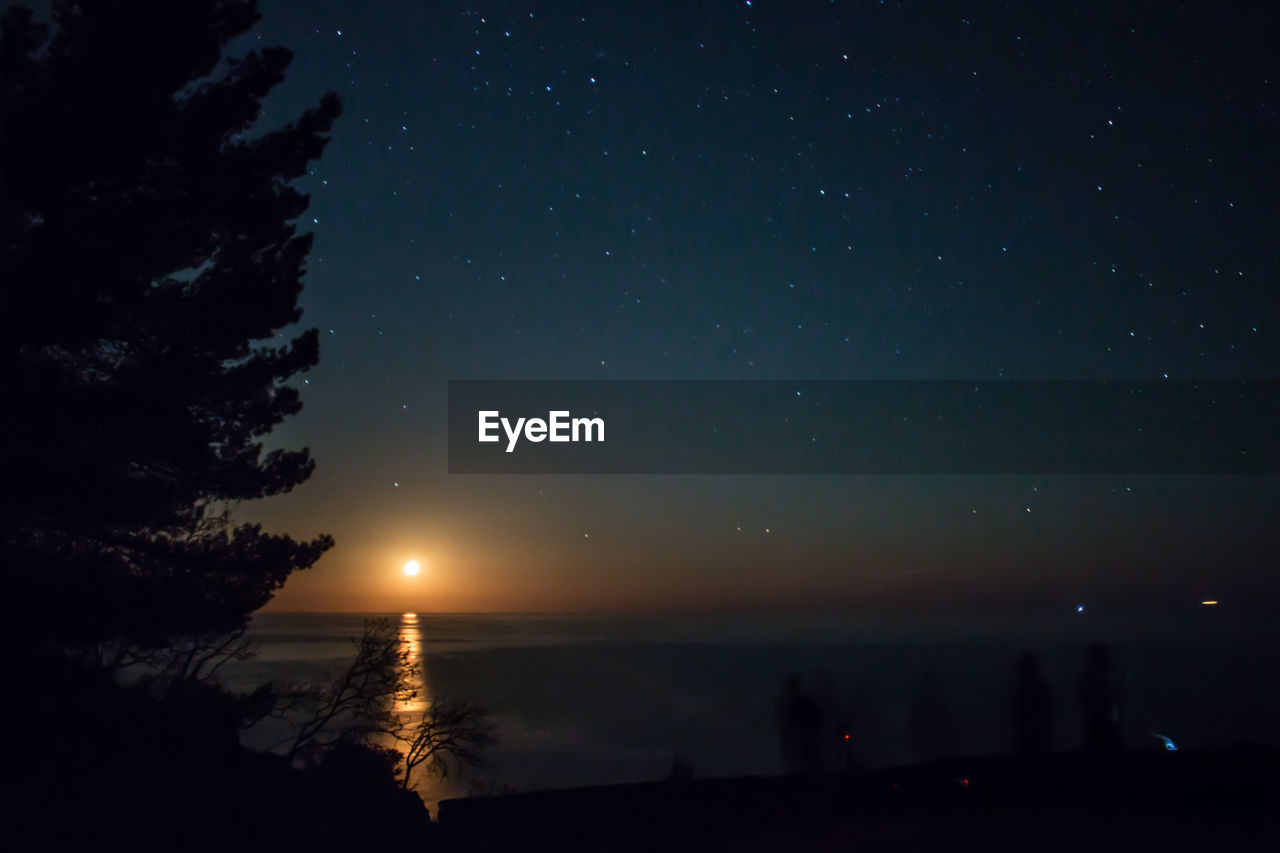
column 775, row 190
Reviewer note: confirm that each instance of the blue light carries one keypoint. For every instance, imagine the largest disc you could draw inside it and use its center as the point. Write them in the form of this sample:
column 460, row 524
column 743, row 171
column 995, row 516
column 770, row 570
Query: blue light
column 1080, row 608
column 1168, row 742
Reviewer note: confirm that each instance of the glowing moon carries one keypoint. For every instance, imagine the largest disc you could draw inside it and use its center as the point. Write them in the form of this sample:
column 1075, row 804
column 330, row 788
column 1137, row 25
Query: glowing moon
column 411, row 568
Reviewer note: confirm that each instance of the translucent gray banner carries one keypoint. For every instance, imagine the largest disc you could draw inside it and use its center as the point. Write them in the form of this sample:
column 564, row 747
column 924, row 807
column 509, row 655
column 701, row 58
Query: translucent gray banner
column 863, row 427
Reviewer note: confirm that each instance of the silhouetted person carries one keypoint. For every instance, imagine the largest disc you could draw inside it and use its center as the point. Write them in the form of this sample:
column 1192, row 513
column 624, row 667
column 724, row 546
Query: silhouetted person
column 1100, row 703
column 799, row 724
column 931, row 726
column 868, row 745
column 833, row 729
column 1032, row 709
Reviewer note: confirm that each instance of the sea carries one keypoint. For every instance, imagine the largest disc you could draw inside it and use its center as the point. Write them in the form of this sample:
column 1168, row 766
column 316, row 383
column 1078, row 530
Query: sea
column 579, row 700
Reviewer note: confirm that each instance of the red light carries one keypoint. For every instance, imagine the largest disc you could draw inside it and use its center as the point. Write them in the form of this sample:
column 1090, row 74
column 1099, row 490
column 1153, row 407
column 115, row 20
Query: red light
column 846, row 737
column 964, row 782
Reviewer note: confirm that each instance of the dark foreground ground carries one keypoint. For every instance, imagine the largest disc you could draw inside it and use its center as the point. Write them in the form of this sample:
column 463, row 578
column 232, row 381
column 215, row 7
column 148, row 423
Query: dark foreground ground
column 1167, row 801
column 91, row 765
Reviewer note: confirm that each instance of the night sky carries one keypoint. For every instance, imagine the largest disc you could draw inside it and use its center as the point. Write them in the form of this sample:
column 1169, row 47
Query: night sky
column 776, row 190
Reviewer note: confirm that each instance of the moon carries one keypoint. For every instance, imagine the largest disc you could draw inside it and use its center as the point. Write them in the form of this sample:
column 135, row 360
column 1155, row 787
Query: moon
column 411, row 568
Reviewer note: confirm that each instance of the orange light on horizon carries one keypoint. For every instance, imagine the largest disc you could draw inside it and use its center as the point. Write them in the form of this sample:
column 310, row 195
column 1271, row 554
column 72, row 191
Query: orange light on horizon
column 411, row 568
column 1210, row 602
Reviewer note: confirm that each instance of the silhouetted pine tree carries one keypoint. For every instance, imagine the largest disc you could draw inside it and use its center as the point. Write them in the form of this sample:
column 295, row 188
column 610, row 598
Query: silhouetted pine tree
column 149, row 261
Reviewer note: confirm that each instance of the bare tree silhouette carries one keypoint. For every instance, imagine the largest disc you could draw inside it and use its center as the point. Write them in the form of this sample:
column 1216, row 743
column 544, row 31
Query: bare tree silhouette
column 449, row 737
column 355, row 703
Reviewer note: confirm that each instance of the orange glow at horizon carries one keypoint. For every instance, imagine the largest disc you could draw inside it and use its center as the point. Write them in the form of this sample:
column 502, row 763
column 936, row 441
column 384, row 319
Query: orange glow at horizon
column 469, row 566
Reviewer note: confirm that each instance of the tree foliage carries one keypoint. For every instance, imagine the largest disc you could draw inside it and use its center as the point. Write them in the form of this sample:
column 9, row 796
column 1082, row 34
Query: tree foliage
column 150, row 269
